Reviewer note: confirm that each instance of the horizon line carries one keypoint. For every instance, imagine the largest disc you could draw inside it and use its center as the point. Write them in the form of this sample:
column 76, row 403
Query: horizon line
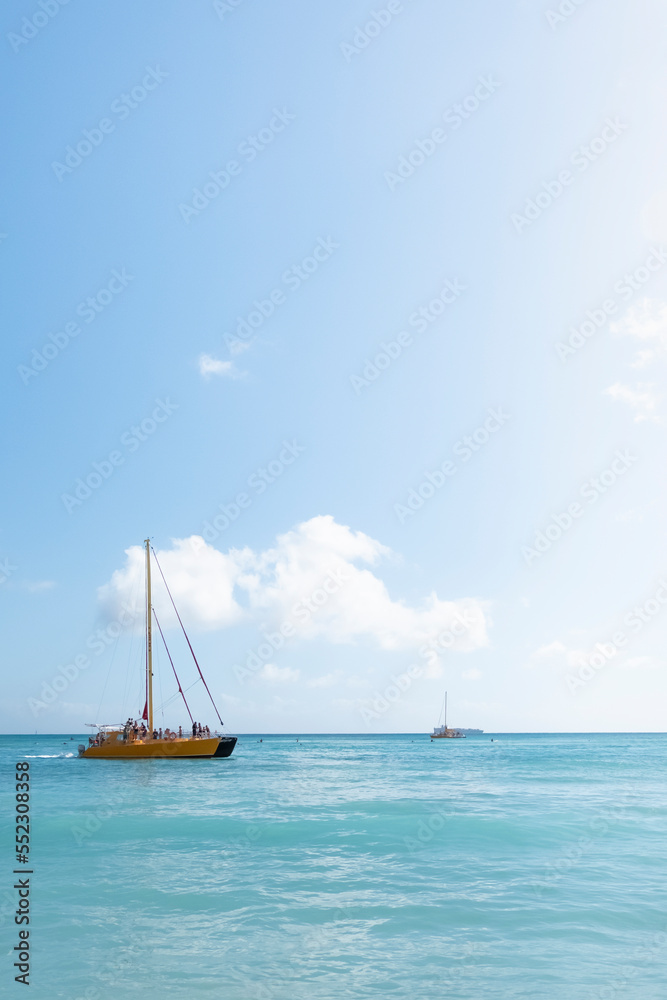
column 490, row 732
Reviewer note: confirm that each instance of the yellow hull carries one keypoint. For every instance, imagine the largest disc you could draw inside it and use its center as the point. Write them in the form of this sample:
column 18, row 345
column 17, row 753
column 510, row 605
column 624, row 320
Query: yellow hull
column 114, row 749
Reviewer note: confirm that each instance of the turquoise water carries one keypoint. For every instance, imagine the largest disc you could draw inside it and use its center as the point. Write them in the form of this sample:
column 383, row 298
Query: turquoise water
column 347, row 866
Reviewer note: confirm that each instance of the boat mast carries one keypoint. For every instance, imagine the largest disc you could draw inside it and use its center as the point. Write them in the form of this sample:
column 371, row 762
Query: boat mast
column 445, row 711
column 149, row 640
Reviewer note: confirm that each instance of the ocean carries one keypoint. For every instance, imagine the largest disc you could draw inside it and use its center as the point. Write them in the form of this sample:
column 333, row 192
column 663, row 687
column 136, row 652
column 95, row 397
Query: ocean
column 499, row 866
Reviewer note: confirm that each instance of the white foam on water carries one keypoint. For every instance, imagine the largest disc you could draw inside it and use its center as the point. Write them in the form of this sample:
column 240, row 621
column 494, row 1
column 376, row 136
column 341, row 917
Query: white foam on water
column 34, row 756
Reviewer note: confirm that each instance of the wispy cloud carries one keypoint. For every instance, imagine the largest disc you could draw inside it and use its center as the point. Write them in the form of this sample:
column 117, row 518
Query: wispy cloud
column 642, row 398
column 647, row 321
column 237, row 347
column 209, row 366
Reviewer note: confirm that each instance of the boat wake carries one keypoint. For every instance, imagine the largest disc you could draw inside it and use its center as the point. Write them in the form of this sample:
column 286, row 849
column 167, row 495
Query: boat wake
column 33, row 756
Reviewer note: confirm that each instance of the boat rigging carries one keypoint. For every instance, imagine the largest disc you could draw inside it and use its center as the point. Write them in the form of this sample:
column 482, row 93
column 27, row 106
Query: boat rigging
column 135, row 740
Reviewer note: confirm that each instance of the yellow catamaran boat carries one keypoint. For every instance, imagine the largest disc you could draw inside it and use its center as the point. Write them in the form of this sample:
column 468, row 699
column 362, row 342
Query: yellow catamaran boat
column 132, row 742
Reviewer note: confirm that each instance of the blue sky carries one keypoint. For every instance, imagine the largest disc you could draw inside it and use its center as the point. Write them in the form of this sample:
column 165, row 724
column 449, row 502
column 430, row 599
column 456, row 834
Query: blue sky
column 367, row 165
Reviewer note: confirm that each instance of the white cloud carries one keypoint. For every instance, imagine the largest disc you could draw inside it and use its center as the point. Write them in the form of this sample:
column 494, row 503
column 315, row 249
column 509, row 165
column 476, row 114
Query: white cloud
column 213, row 366
column 471, row 675
column 317, row 577
column 642, row 398
column 310, row 577
column 596, row 656
column 201, row 582
column 647, row 321
column 278, row 675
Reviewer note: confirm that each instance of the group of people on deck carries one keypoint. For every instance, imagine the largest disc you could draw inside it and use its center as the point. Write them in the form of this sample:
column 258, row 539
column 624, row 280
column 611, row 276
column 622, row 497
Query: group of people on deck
column 134, row 730
column 200, row 732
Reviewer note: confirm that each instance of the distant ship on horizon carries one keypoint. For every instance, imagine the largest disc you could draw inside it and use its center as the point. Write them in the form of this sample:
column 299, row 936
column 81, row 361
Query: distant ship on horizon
column 440, row 731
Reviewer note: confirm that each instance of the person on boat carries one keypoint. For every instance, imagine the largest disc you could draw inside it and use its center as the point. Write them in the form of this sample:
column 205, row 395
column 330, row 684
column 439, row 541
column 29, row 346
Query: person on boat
column 180, row 732
column 155, row 734
column 194, row 730
column 160, row 733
